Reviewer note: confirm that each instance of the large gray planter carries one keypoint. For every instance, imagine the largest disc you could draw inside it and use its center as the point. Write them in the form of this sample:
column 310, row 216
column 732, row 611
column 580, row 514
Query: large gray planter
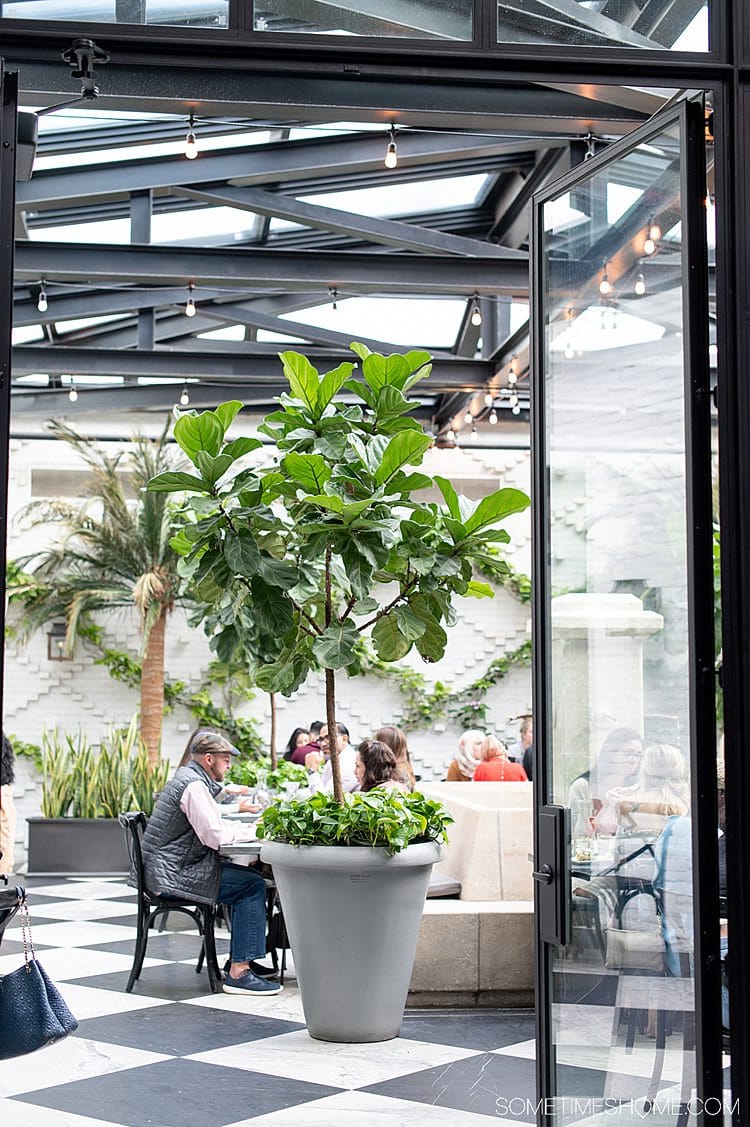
column 353, row 917
column 85, row 846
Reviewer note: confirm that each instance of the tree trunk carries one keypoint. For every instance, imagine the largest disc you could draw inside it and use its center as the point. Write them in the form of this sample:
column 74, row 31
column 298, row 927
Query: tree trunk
column 333, row 736
column 272, row 749
column 152, row 689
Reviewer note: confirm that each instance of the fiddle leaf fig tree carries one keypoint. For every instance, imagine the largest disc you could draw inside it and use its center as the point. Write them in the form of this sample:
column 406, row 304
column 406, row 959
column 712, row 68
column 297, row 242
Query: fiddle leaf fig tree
column 294, row 562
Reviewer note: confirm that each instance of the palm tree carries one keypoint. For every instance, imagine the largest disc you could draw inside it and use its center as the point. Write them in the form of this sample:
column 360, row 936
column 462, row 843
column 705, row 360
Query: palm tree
column 111, row 553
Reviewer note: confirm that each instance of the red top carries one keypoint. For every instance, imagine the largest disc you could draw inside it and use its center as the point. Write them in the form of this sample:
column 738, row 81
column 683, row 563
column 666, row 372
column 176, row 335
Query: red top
column 500, row 771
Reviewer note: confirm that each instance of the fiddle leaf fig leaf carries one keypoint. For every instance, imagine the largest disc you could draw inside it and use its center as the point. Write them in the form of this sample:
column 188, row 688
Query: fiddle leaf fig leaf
column 500, row 504
column 405, row 448
column 450, row 496
column 195, row 433
column 227, row 412
column 311, row 471
column 272, row 609
column 331, row 384
column 390, row 644
column 241, row 446
column 173, row 481
column 477, row 590
column 303, row 378
column 242, row 554
column 334, row 648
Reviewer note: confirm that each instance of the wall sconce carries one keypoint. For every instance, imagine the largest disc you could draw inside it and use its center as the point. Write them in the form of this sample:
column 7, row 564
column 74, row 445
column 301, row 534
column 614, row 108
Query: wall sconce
column 56, row 642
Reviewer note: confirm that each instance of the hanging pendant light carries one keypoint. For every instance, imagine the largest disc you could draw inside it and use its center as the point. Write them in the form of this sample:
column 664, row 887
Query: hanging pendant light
column 72, row 394
column 390, row 160
column 184, row 397
column 605, row 286
column 41, row 302
column 493, row 417
column 191, row 145
column 640, row 285
column 190, row 304
column 476, row 312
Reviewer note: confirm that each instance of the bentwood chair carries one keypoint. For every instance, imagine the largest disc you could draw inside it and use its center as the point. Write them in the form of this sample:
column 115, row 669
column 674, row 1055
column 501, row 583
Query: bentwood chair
column 152, row 907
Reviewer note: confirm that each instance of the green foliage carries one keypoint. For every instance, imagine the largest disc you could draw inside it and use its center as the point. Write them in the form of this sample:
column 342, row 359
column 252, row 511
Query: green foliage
column 24, row 750
column 386, row 818
column 246, row 772
column 241, row 730
column 280, row 560
column 78, row 783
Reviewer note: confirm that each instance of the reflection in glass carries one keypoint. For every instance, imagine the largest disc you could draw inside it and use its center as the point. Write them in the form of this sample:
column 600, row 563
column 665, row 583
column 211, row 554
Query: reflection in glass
column 605, row 23
column 622, row 991
column 175, row 13
column 402, row 19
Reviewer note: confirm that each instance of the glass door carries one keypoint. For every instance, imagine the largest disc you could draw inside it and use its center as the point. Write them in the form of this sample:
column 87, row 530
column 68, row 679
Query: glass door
column 625, row 837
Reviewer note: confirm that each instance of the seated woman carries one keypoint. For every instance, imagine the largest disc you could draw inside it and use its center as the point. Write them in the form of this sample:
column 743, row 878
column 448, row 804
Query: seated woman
column 494, row 765
column 300, row 737
column 376, row 766
column 395, row 739
column 462, row 768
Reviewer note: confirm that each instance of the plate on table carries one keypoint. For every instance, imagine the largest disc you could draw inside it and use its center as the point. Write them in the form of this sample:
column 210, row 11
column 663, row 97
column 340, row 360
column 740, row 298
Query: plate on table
column 241, row 815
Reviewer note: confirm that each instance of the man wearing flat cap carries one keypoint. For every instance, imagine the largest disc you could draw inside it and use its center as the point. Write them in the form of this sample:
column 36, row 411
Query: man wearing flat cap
column 181, row 856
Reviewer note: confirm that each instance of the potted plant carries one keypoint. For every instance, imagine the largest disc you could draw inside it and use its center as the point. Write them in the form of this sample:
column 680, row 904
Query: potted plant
column 294, row 562
column 82, row 795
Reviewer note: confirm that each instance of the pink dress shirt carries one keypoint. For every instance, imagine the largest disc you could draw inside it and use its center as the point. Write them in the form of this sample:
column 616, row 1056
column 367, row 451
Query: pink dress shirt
column 204, row 816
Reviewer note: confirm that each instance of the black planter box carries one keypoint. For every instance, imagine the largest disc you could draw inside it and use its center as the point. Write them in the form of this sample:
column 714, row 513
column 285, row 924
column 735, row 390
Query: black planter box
column 87, row 846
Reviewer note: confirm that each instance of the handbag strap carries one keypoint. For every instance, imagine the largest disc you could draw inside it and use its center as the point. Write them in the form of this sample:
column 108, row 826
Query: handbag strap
column 28, row 942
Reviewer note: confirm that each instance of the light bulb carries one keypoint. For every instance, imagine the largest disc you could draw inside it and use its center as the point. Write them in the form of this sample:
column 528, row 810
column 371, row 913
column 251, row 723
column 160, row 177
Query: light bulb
column 42, row 300
column 512, row 377
column 568, row 353
column 191, row 145
column 514, row 364
column 468, row 418
column 72, row 394
column 451, row 435
column 391, row 153
column 476, row 313
column 654, row 232
column 513, row 399
column 493, row 417
column 605, row 285
column 184, row 397
column 488, row 399
column 473, row 434
column 190, row 304
column 649, row 246
column 515, row 409
column 640, row 285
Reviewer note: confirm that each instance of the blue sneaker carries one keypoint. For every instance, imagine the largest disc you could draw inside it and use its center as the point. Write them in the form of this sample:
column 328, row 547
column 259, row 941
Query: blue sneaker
column 250, row 983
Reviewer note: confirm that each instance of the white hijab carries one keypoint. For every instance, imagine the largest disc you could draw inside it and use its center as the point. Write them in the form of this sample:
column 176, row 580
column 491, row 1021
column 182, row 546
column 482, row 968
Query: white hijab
column 465, row 757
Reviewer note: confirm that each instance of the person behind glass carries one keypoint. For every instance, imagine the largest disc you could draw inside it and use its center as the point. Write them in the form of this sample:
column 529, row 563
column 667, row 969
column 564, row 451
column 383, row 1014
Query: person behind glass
column 7, row 807
column 299, row 738
column 395, row 739
column 318, row 763
column 517, row 750
column 376, row 767
column 300, row 753
column 616, row 765
column 462, row 768
column 494, row 765
column 181, row 857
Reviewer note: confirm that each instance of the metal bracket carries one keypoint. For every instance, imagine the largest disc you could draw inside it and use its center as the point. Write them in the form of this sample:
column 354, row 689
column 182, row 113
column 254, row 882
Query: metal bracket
column 81, row 56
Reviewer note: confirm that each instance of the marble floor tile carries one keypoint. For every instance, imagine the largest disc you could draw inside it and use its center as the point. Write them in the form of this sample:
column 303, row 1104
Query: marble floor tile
column 343, row 1065
column 79, row 933
column 82, row 910
column 16, row 1113
column 83, row 889
column 63, row 964
column 66, row 1061
column 86, row 1002
column 362, row 1109
column 287, row 1005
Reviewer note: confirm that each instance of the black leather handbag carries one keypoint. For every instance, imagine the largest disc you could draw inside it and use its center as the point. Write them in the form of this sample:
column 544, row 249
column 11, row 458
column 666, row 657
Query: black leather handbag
column 33, row 1013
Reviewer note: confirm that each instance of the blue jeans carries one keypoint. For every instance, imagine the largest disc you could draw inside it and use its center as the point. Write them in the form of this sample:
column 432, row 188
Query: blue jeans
column 245, row 891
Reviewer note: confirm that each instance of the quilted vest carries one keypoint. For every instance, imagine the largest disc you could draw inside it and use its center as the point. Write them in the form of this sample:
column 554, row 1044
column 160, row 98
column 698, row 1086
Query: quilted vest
column 175, row 861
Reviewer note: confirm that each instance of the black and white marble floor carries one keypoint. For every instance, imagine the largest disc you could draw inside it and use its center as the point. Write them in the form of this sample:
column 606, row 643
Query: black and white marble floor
column 171, row 1054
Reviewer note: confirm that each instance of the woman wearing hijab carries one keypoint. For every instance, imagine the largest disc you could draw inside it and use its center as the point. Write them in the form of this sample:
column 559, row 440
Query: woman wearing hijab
column 462, row 768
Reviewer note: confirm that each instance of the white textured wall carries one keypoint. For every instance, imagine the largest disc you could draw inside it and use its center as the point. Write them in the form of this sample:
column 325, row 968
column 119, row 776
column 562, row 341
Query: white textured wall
column 78, row 694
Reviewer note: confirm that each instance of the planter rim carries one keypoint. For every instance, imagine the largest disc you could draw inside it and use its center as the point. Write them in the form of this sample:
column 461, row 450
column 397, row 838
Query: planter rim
column 66, row 820
column 348, row 857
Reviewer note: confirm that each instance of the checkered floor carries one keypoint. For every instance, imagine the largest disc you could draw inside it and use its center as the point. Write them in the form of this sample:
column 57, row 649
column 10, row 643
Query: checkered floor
column 171, row 1054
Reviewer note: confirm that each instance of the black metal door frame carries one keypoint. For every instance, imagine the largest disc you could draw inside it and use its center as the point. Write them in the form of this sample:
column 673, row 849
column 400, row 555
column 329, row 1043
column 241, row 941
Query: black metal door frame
column 689, row 115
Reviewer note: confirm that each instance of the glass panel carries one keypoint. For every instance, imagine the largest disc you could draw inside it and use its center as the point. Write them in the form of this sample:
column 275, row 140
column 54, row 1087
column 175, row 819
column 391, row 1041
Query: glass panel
column 407, row 19
column 605, row 23
column 622, row 992
column 177, row 13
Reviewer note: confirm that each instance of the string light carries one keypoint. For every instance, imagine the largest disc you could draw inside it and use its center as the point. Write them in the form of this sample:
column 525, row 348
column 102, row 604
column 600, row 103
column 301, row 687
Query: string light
column 590, row 148
column 184, row 397
column 333, row 293
column 473, row 435
column 605, row 286
column 476, row 312
column 468, row 418
column 640, row 285
column 488, row 399
column 391, row 153
column 513, row 366
column 451, row 436
column 654, row 231
column 41, row 303
column 191, row 145
column 190, row 304
column 493, row 417
column 72, row 394
column 513, row 399
column 512, row 377
column 568, row 353
column 515, row 409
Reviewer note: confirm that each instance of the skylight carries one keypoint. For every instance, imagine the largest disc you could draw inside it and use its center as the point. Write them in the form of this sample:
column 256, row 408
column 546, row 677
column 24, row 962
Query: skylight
column 404, row 322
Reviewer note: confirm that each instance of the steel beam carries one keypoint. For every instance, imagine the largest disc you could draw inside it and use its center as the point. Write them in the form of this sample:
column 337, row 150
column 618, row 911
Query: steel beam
column 512, row 226
column 100, row 302
column 348, row 272
column 280, row 162
column 446, row 373
column 389, row 232
column 412, row 18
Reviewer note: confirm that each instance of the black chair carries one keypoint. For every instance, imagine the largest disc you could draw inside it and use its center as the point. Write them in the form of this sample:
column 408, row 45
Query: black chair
column 11, row 900
column 152, row 907
column 276, row 933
